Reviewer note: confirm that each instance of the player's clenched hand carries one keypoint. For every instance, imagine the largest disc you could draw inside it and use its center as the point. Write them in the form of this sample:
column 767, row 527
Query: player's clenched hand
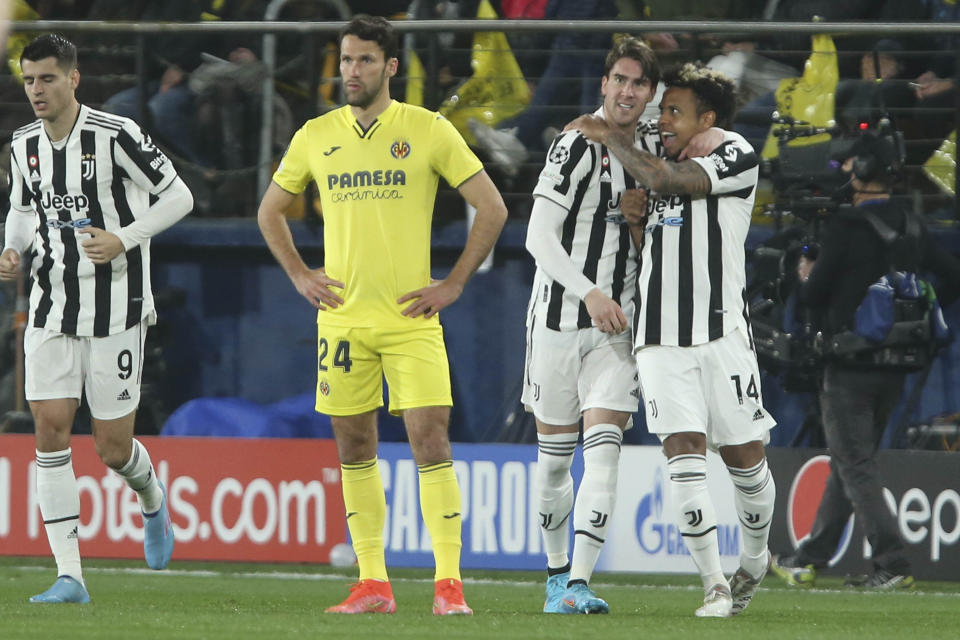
column 605, row 312
column 430, row 299
column 633, row 206
column 314, row 285
column 102, row 246
column 9, row 264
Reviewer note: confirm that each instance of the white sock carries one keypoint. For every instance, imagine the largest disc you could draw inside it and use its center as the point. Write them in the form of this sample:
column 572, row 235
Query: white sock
column 554, row 457
column 696, row 516
column 59, row 501
column 139, row 474
column 755, row 494
column 595, row 497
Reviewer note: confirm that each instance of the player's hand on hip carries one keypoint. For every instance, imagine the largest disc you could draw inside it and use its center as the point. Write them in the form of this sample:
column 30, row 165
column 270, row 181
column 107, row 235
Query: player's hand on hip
column 633, row 206
column 429, row 300
column 102, row 246
column 605, row 312
column 9, row 264
column 314, row 285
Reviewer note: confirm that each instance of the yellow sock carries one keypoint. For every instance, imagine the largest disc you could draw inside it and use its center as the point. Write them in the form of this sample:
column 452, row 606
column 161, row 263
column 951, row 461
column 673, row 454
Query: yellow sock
column 440, row 505
column 366, row 507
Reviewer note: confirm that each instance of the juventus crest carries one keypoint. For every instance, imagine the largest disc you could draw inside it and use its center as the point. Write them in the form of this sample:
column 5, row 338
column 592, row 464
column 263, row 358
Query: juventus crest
column 88, row 164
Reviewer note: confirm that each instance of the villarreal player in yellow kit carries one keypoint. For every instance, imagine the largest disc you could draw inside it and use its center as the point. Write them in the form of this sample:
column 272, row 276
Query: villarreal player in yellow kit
column 377, row 165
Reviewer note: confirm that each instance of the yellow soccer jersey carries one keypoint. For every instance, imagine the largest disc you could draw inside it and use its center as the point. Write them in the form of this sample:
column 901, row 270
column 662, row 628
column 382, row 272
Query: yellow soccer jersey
column 377, row 188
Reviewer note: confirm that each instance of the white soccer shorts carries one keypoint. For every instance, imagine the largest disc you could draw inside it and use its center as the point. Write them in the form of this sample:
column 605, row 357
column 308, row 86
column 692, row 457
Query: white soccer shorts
column 712, row 388
column 568, row 372
column 107, row 369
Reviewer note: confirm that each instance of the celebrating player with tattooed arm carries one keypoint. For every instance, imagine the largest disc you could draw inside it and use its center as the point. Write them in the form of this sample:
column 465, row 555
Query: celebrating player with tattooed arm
column 88, row 191
column 579, row 350
column 698, row 372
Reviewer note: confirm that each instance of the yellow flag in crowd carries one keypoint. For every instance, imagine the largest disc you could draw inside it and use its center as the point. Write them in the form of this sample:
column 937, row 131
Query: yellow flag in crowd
column 810, row 97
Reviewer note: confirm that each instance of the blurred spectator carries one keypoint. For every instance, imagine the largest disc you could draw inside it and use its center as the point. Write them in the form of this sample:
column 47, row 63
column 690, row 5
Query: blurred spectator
column 576, row 61
column 171, row 103
column 938, row 83
column 866, row 99
column 453, row 65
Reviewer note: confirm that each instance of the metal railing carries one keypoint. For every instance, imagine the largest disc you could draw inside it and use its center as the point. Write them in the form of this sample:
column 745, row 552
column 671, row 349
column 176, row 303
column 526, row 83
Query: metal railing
column 270, row 29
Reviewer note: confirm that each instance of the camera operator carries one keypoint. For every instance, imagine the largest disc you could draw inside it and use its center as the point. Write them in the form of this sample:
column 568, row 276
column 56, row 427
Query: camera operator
column 857, row 397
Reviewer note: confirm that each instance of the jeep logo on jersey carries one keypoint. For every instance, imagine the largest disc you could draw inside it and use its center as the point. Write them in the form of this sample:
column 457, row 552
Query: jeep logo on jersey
column 660, row 204
column 56, row 201
column 400, row 149
column 378, row 178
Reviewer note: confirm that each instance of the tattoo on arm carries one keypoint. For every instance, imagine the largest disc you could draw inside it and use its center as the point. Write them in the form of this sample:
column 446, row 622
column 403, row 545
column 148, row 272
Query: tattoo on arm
column 659, row 174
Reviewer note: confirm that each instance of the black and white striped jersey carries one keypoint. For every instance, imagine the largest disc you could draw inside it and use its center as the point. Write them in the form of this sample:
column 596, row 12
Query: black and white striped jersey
column 692, row 284
column 587, row 180
column 105, row 175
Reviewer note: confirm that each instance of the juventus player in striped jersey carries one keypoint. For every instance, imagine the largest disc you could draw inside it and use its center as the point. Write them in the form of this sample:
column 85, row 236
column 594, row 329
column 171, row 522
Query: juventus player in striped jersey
column 579, row 349
column 88, row 190
column 698, row 371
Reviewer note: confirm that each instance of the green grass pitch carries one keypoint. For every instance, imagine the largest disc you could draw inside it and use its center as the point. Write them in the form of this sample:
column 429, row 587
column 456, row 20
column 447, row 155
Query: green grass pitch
column 207, row 600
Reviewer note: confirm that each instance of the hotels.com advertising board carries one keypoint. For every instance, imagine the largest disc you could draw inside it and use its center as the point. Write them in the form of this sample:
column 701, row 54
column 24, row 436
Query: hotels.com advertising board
column 264, row 500
column 280, row 500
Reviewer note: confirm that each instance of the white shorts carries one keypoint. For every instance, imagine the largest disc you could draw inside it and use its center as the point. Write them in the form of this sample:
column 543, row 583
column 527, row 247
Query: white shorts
column 712, row 388
column 568, row 372
column 108, row 369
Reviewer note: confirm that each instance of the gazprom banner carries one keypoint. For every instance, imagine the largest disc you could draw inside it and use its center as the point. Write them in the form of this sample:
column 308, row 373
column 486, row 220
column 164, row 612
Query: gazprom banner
column 500, row 521
column 644, row 536
column 501, row 529
column 279, row 500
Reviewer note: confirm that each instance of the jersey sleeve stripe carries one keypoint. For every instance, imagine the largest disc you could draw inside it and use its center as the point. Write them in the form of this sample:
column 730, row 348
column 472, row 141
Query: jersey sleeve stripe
column 104, row 120
column 33, row 127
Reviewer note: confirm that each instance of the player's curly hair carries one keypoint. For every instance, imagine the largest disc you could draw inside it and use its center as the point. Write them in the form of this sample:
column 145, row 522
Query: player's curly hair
column 635, row 49
column 713, row 90
column 373, row 29
column 51, row 45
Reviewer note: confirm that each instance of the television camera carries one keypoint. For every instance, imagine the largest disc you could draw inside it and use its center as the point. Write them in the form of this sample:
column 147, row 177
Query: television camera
column 810, row 185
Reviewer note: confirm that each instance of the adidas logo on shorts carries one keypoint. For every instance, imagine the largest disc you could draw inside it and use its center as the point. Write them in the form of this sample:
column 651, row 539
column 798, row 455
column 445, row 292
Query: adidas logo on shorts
column 758, row 415
column 125, row 395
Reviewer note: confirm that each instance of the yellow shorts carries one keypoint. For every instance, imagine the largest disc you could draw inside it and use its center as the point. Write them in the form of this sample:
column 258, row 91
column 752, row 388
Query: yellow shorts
column 352, row 362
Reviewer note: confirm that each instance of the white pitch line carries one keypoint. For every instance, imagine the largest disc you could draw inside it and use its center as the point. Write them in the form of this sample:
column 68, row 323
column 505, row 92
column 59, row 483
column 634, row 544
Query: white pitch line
column 315, row 577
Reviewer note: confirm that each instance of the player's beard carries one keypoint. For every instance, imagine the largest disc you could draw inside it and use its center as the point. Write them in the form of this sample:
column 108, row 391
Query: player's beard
column 365, row 98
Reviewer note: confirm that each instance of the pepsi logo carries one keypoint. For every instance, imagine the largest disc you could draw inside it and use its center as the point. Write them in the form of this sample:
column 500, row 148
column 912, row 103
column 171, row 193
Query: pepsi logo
column 806, row 492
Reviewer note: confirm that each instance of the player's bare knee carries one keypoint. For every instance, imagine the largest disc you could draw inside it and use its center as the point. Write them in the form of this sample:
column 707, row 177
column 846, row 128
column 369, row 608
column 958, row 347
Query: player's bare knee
column 431, row 450
column 743, row 456
column 687, row 442
column 113, row 452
